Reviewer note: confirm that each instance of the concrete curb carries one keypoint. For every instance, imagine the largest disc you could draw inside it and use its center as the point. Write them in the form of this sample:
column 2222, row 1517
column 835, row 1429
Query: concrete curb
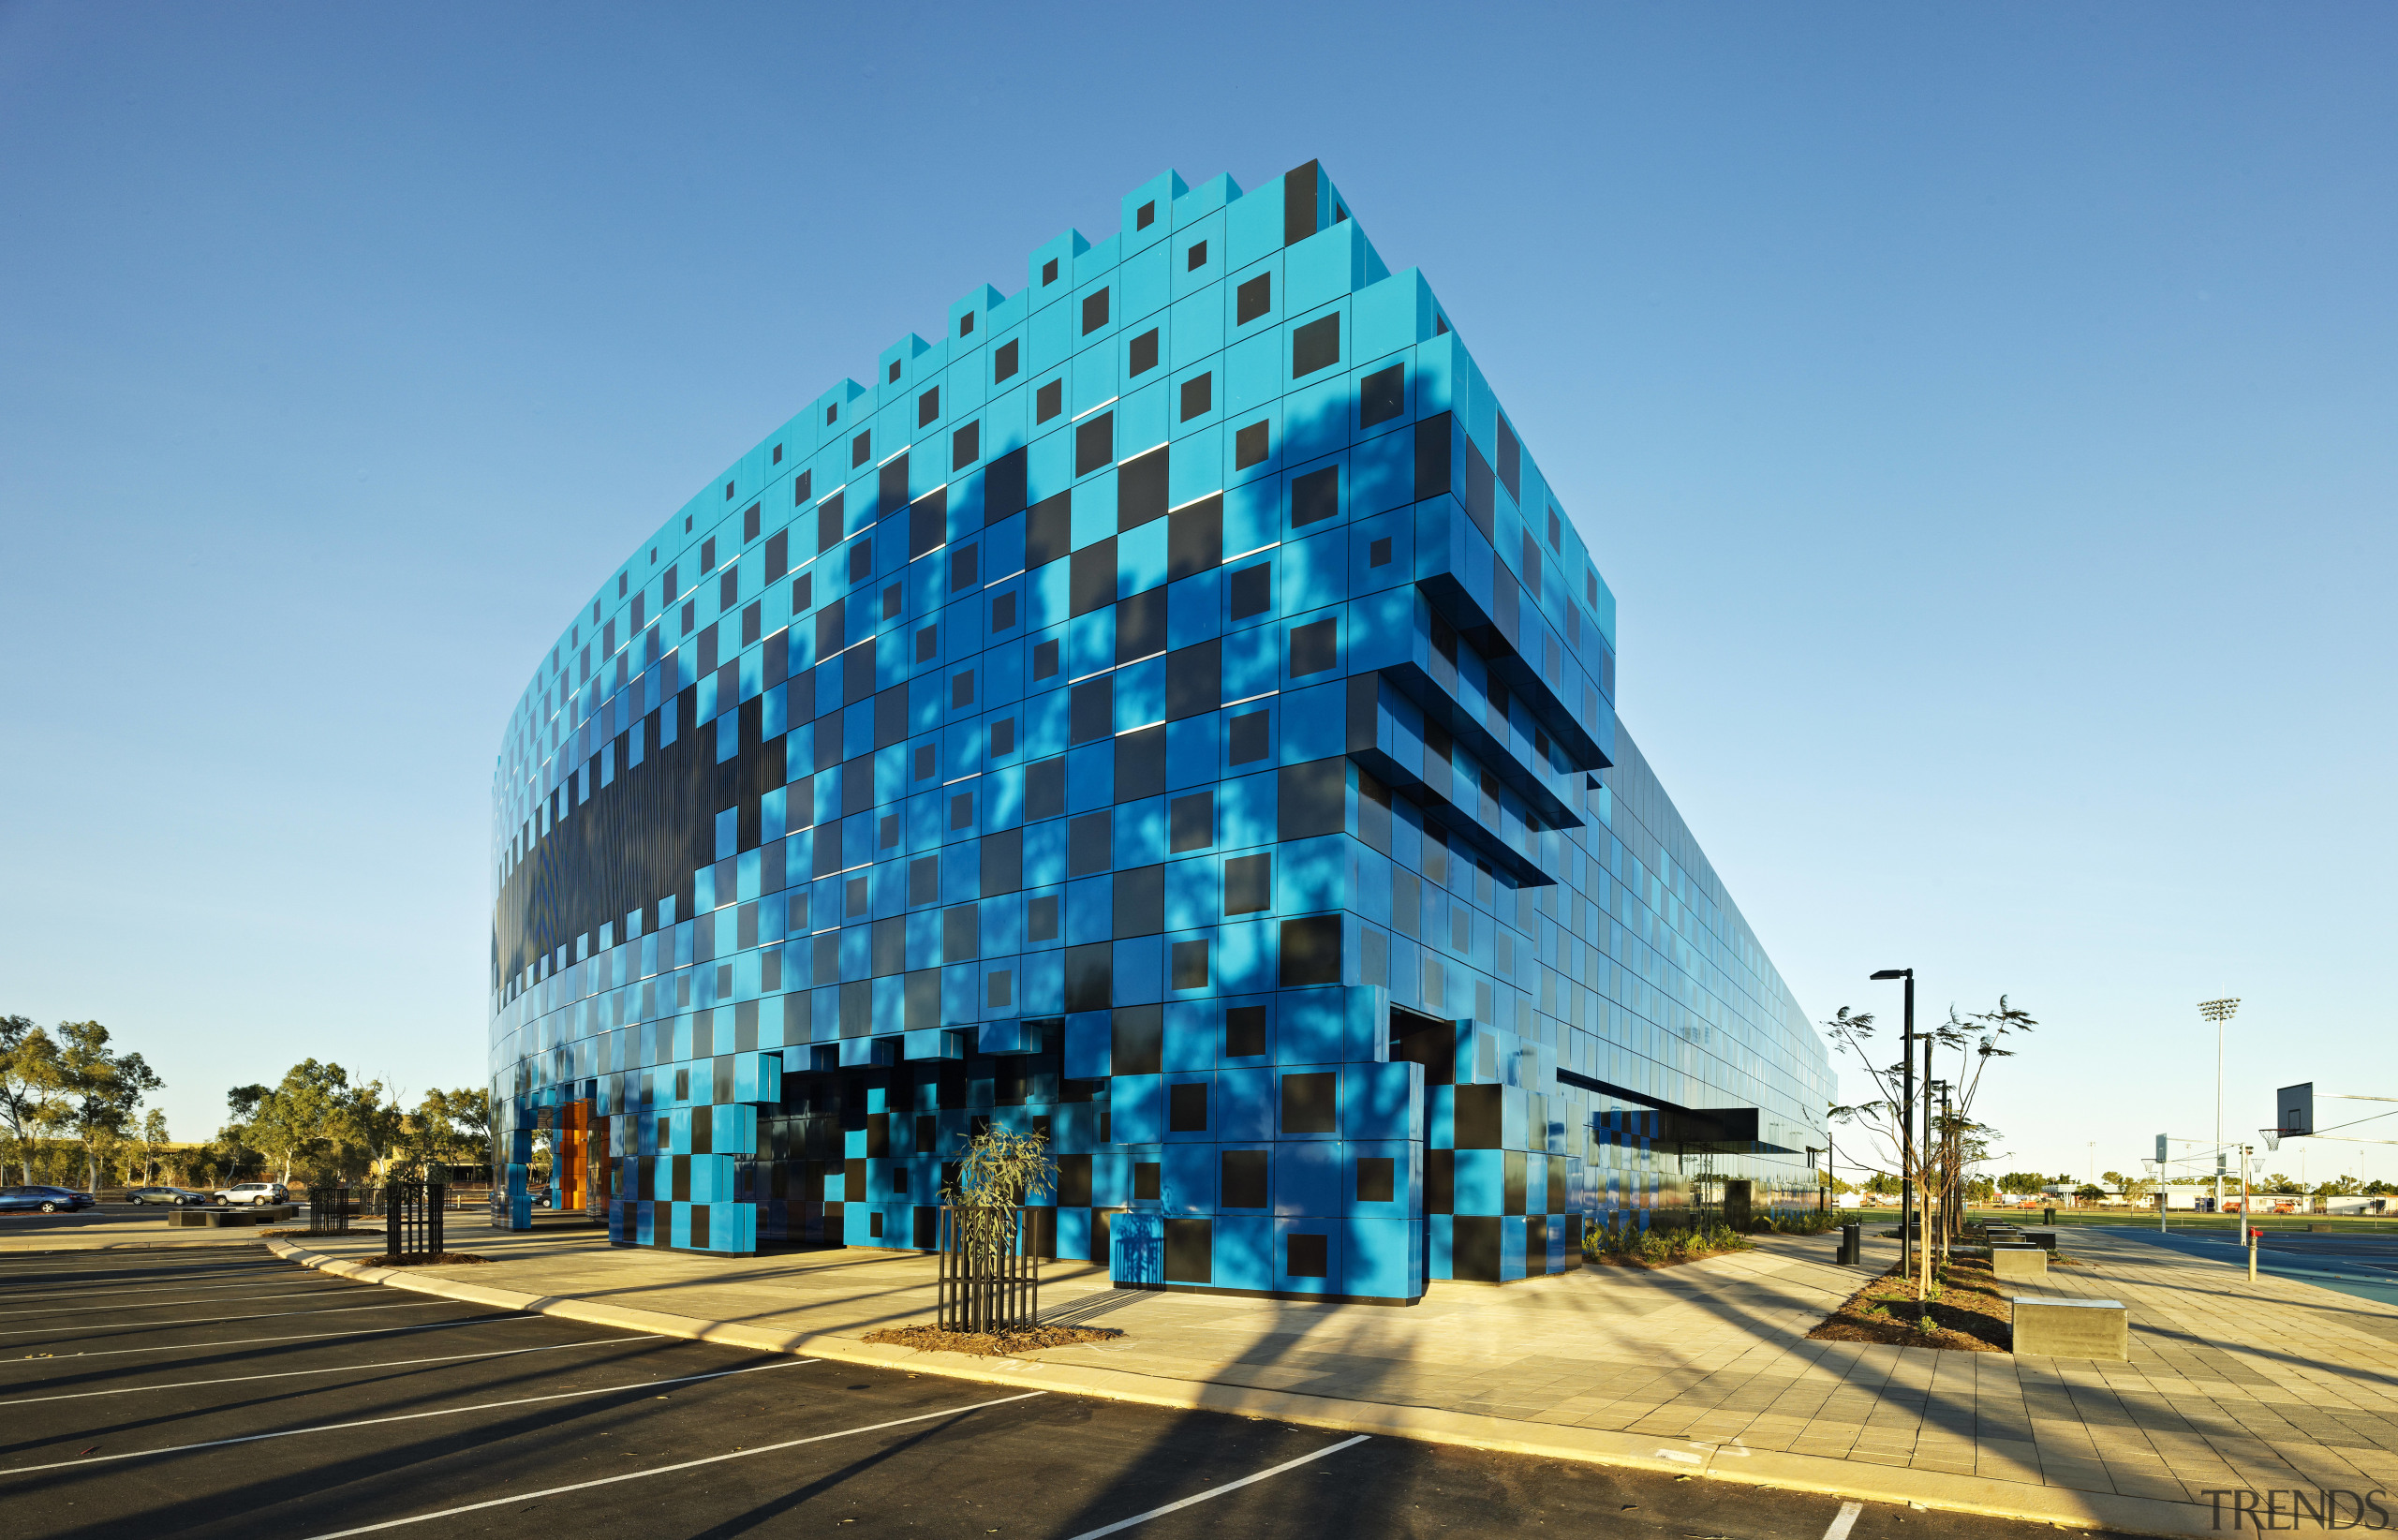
column 197, row 1242
column 1550, row 1441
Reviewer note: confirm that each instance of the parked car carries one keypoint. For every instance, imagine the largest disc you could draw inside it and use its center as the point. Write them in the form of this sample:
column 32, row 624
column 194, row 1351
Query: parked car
column 255, row 1194
column 173, row 1197
column 46, row 1200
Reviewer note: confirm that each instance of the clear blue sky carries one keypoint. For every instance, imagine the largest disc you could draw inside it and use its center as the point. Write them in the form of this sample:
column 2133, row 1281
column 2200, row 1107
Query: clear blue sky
column 1984, row 416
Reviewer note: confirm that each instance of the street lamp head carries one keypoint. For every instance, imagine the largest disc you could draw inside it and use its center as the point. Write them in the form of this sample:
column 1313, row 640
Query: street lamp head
column 1895, row 973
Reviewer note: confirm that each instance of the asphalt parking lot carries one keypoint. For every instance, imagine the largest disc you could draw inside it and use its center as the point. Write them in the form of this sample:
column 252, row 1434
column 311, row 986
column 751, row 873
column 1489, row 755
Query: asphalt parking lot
column 147, row 1394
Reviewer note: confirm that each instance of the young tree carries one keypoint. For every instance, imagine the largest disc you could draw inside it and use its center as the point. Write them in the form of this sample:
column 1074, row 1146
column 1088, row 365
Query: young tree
column 1880, row 1118
column 31, row 1102
column 1935, row 1174
column 1975, row 1039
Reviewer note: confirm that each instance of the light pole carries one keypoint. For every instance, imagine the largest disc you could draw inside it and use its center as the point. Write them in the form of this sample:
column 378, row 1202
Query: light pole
column 1906, row 1123
column 2249, row 1233
column 2219, row 1011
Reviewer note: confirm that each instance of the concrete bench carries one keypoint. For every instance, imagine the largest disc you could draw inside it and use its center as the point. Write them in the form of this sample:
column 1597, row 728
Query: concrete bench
column 212, row 1218
column 2045, row 1239
column 2015, row 1263
column 2071, row 1329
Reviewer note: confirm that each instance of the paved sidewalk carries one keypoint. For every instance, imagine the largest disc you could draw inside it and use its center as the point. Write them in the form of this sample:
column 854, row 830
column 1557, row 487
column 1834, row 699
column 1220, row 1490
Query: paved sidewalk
column 1707, row 1367
column 32, row 1234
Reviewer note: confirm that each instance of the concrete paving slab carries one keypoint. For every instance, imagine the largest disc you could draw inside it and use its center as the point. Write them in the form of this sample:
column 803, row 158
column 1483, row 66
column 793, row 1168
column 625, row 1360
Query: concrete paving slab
column 1703, row 1367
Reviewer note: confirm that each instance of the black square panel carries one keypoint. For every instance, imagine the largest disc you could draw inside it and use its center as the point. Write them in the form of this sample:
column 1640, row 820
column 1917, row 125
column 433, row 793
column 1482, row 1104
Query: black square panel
column 1245, row 1179
column 1190, row 1247
column 1475, row 1116
column 1315, row 346
column 1253, row 299
column 1137, row 1044
column 1187, row 1107
column 1474, row 1248
column 1252, row 590
column 1311, row 1102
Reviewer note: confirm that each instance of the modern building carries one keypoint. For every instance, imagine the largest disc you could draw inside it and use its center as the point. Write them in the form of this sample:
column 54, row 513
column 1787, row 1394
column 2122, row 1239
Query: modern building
column 1169, row 710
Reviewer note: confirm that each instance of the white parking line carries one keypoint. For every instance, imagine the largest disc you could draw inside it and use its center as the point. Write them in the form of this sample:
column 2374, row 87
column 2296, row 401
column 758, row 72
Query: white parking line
column 161, row 1269
column 338, row 1369
column 252, row 1282
column 667, row 1469
column 145, row 1259
column 245, row 1342
column 161, row 1304
column 260, row 1315
column 1844, row 1521
column 1218, row 1491
column 405, row 1417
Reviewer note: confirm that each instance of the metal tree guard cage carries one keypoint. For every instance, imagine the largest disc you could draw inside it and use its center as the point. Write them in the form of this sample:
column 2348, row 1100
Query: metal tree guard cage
column 329, row 1209
column 988, row 1281
column 412, row 1218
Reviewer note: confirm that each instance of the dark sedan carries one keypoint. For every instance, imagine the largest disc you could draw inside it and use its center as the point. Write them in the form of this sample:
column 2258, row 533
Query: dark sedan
column 46, row 1200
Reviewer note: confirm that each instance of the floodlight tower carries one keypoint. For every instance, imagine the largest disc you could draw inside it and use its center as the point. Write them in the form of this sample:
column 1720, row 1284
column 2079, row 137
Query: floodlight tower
column 2219, row 1011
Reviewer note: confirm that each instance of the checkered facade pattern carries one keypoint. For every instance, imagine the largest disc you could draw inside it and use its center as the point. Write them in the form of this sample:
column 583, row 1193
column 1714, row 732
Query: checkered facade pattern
column 1169, row 711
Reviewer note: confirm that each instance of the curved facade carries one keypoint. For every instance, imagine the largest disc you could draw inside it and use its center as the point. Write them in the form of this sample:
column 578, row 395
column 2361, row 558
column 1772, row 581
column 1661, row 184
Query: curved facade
column 1169, row 711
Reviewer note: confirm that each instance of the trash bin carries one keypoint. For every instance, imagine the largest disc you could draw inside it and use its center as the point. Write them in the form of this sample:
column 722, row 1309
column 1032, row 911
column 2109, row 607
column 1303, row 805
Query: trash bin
column 1852, row 1245
column 2048, row 1216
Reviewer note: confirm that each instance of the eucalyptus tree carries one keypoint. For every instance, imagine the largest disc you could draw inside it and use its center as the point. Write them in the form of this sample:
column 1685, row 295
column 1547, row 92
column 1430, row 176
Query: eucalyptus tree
column 31, row 1087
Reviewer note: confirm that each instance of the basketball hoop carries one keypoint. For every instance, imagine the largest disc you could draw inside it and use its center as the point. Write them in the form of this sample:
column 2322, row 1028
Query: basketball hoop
column 2274, row 1137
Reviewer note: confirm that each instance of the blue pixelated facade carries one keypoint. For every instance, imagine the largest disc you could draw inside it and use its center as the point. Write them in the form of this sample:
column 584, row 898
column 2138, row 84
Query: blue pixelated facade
column 1170, row 711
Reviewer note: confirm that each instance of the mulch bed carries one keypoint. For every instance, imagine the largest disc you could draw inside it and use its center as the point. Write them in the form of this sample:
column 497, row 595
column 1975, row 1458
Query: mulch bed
column 1608, row 1259
column 439, row 1259
column 294, row 1234
column 984, row 1345
column 1971, row 1315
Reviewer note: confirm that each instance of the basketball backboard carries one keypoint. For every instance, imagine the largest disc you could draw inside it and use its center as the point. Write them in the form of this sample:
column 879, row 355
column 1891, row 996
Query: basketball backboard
column 2294, row 1110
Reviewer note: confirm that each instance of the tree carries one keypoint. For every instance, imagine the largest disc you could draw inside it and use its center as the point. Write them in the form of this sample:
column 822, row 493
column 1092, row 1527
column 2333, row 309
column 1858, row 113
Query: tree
column 1957, row 1143
column 2134, row 1188
column 451, row 1126
column 315, row 1115
column 30, row 1099
column 1964, row 1142
column 103, row 1089
column 2089, row 1193
column 2023, row 1184
column 153, row 1134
